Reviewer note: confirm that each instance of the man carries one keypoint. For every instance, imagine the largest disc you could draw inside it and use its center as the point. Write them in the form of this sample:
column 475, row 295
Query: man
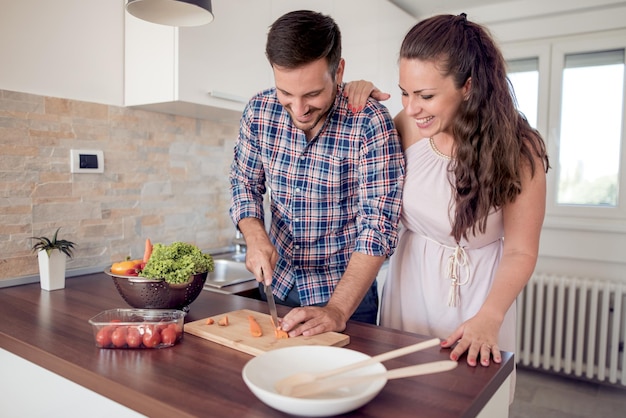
column 335, row 180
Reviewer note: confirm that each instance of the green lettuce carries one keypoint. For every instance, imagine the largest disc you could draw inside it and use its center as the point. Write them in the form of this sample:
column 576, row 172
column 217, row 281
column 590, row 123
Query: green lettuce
column 176, row 263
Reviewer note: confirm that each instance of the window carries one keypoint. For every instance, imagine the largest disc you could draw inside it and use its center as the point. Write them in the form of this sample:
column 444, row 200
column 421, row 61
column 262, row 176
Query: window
column 591, row 120
column 528, row 69
column 573, row 91
column 524, row 76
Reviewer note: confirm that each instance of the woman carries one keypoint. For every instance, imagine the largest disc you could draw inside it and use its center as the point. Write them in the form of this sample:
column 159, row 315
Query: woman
column 474, row 193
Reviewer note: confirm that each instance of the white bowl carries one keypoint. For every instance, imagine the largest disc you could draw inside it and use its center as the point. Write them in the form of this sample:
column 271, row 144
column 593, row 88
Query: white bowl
column 263, row 371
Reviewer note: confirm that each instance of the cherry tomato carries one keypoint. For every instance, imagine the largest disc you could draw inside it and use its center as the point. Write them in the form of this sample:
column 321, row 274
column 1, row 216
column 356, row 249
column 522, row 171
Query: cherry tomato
column 118, row 337
column 103, row 336
column 151, row 337
column 177, row 329
column 133, row 338
column 168, row 336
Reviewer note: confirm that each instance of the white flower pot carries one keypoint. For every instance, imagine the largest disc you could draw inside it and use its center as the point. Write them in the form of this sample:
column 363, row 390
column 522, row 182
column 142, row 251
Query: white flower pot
column 52, row 269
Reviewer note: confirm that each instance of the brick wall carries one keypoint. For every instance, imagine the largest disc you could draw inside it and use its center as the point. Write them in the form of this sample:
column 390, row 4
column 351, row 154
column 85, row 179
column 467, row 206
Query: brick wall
column 165, row 177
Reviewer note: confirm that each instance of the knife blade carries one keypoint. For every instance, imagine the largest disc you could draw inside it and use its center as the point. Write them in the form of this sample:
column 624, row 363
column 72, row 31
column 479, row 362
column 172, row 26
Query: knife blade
column 272, row 305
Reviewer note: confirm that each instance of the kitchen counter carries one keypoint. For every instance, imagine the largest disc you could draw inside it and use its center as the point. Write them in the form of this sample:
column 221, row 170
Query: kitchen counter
column 201, row 378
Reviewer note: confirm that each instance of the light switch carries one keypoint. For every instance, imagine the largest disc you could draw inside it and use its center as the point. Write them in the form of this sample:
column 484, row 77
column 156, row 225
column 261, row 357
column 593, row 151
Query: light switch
column 86, row 161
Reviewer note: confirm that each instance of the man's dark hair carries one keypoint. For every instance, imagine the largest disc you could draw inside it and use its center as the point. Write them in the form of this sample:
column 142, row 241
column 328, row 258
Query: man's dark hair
column 302, row 37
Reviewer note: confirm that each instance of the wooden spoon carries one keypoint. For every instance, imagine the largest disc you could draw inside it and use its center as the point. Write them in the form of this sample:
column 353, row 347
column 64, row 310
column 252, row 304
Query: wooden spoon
column 321, row 386
column 284, row 386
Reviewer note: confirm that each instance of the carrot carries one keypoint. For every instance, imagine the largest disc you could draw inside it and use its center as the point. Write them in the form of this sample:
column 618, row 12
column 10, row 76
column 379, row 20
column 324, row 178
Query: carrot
column 210, row 321
column 278, row 332
column 223, row 322
column 255, row 328
column 148, row 251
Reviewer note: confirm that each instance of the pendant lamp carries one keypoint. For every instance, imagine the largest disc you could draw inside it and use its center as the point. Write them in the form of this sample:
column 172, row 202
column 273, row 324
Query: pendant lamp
column 172, row 12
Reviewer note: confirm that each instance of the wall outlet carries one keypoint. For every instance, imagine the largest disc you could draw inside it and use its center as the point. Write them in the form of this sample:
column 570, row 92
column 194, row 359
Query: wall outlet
column 86, row 161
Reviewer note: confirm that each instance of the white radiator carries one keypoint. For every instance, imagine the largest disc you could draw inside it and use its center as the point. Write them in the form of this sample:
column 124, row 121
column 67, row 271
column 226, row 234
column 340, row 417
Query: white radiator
column 573, row 326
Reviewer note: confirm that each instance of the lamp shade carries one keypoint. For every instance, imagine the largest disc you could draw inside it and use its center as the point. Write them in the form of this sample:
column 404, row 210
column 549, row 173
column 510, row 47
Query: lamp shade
column 172, row 12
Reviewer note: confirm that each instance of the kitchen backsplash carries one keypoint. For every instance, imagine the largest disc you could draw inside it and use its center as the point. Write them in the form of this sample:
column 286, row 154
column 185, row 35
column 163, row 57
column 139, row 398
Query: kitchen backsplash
column 165, row 177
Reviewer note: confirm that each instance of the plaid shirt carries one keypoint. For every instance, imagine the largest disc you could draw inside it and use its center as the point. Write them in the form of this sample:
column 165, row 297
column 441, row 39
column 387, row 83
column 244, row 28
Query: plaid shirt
column 336, row 194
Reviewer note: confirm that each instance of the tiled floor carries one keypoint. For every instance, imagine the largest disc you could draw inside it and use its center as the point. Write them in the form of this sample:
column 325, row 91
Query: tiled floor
column 544, row 395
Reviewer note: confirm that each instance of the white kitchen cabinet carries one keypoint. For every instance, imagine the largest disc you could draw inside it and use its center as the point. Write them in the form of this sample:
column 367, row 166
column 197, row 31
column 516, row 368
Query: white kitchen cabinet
column 56, row 395
column 63, row 48
column 211, row 71
column 208, row 71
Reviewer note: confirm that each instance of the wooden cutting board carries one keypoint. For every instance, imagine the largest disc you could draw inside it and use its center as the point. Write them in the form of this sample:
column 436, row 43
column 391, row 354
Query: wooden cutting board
column 237, row 334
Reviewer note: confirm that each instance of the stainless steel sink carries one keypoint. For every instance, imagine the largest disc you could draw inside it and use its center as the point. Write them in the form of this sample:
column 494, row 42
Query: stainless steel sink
column 227, row 272
column 234, row 256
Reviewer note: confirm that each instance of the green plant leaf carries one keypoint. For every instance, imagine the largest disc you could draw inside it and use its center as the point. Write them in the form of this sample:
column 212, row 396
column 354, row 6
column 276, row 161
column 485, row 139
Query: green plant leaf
column 45, row 244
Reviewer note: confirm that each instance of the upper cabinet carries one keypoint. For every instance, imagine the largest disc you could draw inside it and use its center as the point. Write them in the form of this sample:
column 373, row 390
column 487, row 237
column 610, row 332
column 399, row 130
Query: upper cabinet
column 208, row 71
column 63, row 48
column 211, row 71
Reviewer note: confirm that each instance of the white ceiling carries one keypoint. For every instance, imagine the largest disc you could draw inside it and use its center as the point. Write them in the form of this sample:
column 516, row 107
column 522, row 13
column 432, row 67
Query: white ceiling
column 422, row 8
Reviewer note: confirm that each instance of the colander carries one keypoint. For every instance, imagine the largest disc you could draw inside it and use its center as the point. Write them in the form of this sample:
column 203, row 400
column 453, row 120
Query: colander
column 143, row 293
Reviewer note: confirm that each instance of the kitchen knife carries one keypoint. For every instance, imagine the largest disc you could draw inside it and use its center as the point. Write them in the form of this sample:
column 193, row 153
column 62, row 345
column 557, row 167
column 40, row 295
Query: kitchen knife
column 270, row 302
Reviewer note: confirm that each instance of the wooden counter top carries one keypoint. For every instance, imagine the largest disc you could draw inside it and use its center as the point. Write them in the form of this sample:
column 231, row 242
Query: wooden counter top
column 201, row 378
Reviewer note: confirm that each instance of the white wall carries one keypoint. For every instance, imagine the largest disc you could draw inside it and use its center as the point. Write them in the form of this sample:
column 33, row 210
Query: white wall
column 535, row 19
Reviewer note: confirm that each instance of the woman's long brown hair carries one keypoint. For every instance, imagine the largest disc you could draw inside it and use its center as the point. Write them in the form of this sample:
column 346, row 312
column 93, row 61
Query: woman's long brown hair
column 493, row 141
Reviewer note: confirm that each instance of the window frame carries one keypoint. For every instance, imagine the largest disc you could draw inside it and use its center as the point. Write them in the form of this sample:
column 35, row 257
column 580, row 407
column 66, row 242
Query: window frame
column 541, row 51
column 551, row 56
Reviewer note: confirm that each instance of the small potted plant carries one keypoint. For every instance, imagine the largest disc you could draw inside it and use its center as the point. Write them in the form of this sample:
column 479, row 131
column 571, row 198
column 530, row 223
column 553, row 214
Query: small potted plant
column 52, row 254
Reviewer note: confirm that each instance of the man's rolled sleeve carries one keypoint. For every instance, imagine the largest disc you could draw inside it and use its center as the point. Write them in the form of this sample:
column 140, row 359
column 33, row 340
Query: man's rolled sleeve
column 381, row 181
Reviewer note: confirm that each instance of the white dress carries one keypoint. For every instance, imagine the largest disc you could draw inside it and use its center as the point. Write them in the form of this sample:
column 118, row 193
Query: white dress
column 416, row 294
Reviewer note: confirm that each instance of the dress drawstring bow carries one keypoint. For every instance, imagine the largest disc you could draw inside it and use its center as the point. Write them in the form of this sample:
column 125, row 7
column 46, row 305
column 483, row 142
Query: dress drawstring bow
column 456, row 262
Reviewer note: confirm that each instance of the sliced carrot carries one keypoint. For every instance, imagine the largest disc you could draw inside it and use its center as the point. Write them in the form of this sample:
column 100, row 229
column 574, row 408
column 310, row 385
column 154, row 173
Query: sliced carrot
column 210, row 321
column 255, row 328
column 148, row 251
column 278, row 332
column 223, row 322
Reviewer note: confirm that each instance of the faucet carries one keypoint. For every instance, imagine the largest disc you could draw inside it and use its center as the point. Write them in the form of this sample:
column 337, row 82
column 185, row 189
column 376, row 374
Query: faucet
column 239, row 242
